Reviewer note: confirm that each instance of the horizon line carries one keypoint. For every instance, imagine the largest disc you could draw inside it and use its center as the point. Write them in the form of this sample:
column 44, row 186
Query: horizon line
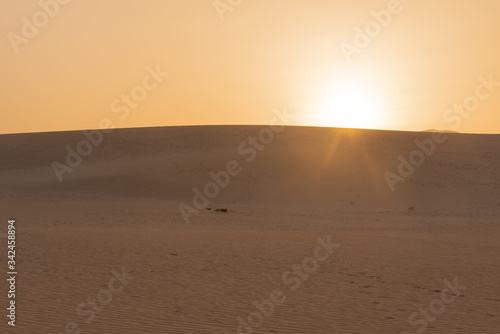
column 255, row 125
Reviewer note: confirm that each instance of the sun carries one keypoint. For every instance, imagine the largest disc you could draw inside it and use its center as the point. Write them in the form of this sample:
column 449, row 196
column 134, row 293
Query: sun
column 349, row 100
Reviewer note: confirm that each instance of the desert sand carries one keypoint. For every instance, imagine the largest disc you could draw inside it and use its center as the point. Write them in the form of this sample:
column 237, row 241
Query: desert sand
column 424, row 258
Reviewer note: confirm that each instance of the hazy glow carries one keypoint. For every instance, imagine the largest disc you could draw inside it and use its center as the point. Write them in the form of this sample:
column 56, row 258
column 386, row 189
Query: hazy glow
column 264, row 55
column 350, row 100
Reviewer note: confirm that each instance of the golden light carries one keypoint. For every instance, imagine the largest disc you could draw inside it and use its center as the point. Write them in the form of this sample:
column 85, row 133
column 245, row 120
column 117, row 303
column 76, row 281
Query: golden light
column 350, row 100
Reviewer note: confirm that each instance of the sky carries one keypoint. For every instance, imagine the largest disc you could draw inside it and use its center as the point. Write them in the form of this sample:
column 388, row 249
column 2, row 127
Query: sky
column 396, row 65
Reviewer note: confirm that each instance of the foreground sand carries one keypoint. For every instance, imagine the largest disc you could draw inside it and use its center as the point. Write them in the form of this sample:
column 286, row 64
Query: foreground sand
column 119, row 209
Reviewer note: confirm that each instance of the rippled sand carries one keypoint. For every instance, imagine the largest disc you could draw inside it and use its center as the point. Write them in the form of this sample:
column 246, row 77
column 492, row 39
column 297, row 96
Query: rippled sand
column 205, row 276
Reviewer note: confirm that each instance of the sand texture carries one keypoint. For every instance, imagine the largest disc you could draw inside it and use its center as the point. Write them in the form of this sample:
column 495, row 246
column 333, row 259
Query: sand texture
column 118, row 212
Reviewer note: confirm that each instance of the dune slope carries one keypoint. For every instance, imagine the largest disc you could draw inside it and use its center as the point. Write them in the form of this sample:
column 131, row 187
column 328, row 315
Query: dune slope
column 300, row 166
column 117, row 211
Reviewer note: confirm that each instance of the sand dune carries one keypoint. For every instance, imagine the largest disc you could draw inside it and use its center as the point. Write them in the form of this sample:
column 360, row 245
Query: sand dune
column 302, row 166
column 120, row 209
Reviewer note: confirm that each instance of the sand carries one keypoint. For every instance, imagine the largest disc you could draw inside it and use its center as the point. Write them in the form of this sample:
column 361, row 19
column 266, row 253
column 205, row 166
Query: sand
column 112, row 234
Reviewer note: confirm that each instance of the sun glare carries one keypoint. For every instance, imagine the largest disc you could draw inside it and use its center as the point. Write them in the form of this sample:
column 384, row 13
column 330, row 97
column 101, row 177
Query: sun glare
column 350, row 100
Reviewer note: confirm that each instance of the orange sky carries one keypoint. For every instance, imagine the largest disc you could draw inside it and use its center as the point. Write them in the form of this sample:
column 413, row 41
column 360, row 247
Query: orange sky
column 68, row 73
